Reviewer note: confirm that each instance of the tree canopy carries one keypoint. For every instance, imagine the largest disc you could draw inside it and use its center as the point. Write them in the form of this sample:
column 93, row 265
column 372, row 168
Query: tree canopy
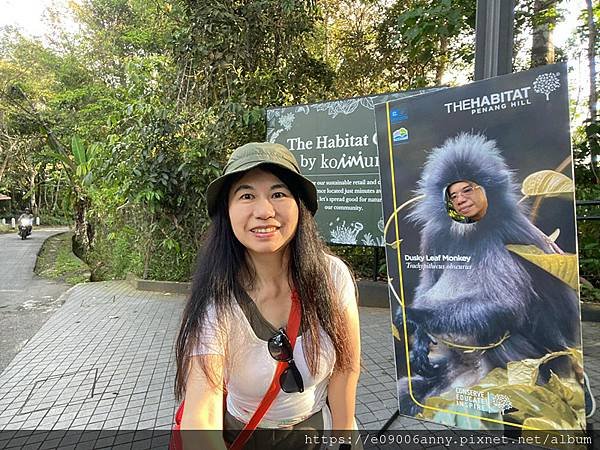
column 120, row 125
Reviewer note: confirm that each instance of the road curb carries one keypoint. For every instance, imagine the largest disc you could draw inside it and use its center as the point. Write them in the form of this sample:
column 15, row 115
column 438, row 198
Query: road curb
column 172, row 287
column 371, row 294
column 590, row 312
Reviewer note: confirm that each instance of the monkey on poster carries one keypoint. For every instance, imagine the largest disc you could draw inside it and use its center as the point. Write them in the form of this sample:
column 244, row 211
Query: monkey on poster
column 511, row 307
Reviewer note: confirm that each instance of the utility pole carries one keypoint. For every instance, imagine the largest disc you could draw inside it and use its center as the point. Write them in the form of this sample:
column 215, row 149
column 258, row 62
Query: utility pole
column 494, row 25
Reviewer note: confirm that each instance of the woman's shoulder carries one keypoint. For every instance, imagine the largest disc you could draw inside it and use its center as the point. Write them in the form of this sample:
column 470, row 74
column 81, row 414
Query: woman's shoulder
column 338, row 268
column 342, row 280
column 223, row 315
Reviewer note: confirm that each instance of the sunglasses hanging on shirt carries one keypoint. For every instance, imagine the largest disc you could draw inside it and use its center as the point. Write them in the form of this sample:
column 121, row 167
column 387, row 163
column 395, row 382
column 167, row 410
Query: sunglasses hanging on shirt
column 280, row 349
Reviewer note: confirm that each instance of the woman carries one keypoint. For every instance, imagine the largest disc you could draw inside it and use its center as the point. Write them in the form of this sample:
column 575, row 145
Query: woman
column 261, row 250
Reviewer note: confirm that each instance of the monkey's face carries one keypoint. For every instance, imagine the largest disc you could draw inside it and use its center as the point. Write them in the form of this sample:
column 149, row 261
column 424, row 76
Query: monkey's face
column 468, row 199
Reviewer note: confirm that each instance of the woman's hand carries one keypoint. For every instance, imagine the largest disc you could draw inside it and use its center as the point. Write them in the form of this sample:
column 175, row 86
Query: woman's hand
column 203, row 408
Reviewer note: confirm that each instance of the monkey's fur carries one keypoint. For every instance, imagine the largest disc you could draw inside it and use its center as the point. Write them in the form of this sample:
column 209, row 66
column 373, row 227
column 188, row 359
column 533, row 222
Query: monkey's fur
column 501, row 292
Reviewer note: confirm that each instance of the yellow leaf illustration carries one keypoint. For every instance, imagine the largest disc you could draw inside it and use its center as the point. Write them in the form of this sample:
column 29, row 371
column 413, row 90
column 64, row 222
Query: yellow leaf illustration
column 526, row 371
column 568, row 389
column 547, row 183
column 523, row 372
column 554, row 236
column 395, row 332
column 563, row 267
column 555, row 405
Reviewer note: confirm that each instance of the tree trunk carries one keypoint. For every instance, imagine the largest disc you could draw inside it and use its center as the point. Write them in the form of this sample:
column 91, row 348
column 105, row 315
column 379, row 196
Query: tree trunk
column 542, row 49
column 10, row 147
column 4, row 164
column 45, row 197
column 41, row 187
column 442, row 59
column 149, row 249
column 32, row 185
column 83, row 237
column 147, row 257
column 55, row 197
column 593, row 97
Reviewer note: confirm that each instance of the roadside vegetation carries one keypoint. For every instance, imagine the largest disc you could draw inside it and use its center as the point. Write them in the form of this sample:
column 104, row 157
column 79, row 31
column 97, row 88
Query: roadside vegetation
column 56, row 261
column 590, row 294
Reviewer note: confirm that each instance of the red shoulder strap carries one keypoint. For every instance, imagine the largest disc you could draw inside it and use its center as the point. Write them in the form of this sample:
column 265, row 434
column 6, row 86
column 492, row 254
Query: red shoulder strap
column 292, row 331
column 294, row 320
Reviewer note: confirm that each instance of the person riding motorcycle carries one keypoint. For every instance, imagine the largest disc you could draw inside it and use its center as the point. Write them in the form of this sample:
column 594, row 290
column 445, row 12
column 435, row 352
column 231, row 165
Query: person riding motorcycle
column 25, row 222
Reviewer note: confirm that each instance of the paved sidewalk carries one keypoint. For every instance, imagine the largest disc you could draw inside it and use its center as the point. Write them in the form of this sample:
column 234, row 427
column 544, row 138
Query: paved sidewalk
column 105, row 361
column 102, row 362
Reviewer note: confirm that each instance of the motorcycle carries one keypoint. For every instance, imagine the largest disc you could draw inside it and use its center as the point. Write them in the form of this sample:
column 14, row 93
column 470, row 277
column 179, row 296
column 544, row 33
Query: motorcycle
column 25, row 225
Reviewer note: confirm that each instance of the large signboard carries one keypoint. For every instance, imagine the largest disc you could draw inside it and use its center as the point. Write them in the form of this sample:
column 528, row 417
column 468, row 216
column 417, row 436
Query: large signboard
column 478, row 198
column 335, row 144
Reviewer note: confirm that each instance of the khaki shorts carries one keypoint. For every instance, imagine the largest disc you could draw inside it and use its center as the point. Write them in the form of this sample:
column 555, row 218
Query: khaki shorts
column 280, row 438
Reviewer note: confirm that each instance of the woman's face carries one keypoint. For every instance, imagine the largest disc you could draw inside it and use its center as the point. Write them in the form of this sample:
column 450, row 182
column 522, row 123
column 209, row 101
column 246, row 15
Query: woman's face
column 263, row 212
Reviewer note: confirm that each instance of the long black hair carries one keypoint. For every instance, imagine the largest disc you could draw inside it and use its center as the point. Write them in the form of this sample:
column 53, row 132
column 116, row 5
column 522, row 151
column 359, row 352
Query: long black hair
column 223, row 272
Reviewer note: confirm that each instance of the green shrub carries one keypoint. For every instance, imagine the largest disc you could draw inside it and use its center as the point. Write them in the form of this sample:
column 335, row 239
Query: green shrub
column 49, row 219
column 589, row 251
column 590, row 294
column 362, row 260
column 171, row 263
column 115, row 254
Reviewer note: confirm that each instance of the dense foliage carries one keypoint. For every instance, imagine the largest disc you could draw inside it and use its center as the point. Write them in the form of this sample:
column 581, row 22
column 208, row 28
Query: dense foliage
column 119, row 126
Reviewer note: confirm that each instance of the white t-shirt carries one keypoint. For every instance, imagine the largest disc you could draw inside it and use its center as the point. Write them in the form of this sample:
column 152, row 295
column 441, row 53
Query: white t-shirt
column 249, row 367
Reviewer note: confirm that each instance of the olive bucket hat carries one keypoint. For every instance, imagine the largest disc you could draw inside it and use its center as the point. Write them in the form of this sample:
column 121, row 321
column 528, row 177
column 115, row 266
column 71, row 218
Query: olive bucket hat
column 255, row 154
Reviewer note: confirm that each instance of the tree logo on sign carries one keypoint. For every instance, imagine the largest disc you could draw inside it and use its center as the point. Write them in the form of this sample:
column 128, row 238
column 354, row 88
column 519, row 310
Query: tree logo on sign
column 546, row 83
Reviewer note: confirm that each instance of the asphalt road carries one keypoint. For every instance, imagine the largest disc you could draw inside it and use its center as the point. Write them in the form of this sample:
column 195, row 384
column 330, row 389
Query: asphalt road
column 26, row 300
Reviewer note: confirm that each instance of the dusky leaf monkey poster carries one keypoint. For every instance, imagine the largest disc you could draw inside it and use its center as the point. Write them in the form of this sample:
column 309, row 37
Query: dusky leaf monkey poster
column 478, row 195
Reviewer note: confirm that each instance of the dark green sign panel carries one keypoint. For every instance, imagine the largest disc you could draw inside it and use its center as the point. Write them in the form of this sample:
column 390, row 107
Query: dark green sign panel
column 336, row 146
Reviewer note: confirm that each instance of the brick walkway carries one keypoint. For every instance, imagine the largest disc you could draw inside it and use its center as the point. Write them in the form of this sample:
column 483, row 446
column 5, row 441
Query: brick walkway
column 105, row 361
